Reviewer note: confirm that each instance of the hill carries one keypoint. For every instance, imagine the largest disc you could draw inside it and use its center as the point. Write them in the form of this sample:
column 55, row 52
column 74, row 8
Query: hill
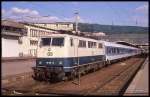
column 112, row 29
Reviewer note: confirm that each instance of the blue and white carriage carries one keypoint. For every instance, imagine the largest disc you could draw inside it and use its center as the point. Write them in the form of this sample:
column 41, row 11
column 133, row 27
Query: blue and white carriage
column 114, row 51
column 63, row 55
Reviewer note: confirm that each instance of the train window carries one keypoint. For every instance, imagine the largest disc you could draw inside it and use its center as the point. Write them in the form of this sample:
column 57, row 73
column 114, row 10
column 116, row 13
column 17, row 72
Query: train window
column 94, row 44
column 100, row 45
column 82, row 43
column 114, row 50
column 90, row 44
column 58, row 41
column 71, row 42
column 46, row 41
column 108, row 50
column 117, row 50
column 111, row 50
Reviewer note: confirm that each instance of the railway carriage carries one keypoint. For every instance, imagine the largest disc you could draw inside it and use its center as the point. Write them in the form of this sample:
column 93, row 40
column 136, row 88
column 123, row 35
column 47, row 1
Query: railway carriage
column 114, row 52
column 61, row 56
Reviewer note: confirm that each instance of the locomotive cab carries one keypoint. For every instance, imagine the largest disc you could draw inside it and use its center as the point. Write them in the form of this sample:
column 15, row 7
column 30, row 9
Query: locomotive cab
column 50, row 53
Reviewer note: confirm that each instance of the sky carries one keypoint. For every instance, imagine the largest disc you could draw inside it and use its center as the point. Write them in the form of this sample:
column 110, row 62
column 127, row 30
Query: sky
column 107, row 13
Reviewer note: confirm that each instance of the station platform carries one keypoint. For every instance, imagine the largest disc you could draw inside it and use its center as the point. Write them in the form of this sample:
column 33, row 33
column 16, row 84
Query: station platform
column 140, row 84
column 17, row 66
column 9, row 59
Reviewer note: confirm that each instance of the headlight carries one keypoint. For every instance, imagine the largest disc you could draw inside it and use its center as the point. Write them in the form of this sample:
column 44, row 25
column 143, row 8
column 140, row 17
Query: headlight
column 48, row 62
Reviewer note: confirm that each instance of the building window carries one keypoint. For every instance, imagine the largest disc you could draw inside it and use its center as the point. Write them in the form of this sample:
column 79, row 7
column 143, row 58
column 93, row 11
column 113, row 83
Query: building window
column 33, row 42
column 33, row 33
column 30, row 32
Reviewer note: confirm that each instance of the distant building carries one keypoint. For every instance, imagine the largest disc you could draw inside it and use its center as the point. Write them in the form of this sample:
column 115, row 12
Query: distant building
column 87, row 33
column 68, row 26
column 12, row 33
column 93, row 34
column 98, row 34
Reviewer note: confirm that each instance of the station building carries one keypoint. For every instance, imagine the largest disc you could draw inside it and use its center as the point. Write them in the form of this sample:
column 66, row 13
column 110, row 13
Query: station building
column 21, row 39
column 11, row 34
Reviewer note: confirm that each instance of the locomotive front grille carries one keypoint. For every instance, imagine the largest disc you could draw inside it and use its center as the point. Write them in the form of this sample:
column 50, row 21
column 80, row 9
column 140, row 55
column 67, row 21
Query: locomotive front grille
column 48, row 73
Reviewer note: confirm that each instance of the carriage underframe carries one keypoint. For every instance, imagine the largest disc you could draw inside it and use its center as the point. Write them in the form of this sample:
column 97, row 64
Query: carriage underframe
column 58, row 73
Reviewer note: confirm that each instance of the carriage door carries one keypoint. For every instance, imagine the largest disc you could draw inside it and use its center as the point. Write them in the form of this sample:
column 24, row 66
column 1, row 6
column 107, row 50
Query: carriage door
column 75, row 42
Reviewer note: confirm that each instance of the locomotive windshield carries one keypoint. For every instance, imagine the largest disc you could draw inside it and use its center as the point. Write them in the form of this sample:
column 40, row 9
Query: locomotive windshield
column 46, row 41
column 56, row 41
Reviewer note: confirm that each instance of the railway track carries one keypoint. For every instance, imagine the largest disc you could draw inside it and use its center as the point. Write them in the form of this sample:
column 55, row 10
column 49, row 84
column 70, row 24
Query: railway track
column 117, row 77
column 114, row 85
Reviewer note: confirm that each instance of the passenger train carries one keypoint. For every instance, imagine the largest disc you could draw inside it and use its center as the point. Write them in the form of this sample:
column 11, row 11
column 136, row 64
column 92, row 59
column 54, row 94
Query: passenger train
column 61, row 56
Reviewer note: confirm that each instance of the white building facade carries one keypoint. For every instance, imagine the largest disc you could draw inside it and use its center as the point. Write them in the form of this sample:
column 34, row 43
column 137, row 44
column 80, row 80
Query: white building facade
column 30, row 41
column 11, row 34
column 21, row 39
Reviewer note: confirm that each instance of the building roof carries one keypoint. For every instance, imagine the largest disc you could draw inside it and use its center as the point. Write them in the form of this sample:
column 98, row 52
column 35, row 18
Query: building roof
column 56, row 23
column 38, row 26
column 60, row 31
column 12, row 24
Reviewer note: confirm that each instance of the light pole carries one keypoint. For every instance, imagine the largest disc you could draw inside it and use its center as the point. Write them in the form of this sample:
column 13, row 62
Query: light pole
column 76, row 21
column 76, row 29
